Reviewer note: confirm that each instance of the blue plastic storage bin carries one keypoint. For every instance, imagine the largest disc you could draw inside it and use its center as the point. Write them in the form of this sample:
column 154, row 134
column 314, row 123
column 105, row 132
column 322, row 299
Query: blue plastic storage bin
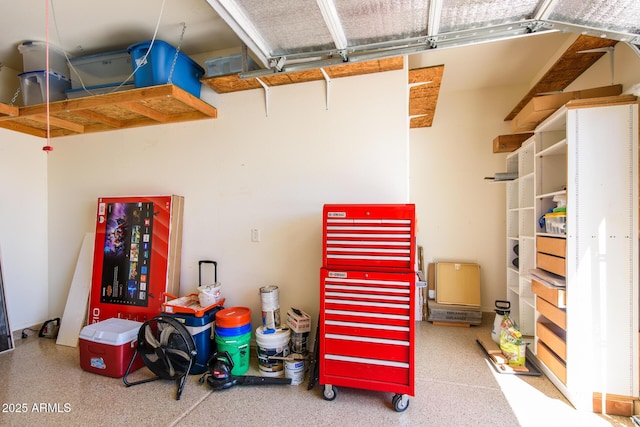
column 201, row 330
column 186, row 74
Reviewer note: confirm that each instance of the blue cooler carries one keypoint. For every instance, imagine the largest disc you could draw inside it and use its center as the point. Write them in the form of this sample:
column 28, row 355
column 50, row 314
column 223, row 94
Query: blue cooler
column 201, row 329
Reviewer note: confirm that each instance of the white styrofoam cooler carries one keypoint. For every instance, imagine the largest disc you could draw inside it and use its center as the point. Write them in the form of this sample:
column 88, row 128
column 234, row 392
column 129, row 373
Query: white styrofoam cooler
column 106, row 347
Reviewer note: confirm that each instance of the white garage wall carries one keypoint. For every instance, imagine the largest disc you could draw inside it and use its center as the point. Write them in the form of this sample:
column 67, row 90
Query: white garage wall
column 240, row 171
column 462, row 215
column 23, row 228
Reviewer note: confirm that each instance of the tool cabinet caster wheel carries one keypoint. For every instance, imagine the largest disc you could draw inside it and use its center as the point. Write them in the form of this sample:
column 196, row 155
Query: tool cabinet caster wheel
column 400, row 402
column 329, row 392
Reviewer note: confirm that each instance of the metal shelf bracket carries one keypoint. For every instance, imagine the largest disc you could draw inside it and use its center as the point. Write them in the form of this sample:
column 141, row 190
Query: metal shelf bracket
column 327, row 79
column 266, row 95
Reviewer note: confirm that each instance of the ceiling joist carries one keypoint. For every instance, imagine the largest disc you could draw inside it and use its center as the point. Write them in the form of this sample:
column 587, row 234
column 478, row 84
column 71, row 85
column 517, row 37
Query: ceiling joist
column 573, row 62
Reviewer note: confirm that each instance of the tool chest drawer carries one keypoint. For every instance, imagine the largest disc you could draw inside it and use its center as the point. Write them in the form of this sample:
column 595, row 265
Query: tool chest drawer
column 367, row 329
column 361, row 371
column 369, row 237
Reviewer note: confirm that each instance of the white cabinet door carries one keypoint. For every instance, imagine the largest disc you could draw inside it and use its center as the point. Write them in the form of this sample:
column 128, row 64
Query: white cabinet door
column 602, row 252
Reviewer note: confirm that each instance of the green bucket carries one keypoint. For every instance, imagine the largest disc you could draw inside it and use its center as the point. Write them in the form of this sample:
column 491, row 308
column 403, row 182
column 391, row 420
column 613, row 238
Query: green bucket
column 238, row 348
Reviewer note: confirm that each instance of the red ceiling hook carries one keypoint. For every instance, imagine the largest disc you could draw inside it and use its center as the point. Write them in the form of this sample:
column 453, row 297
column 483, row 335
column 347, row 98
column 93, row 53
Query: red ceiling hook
column 47, row 148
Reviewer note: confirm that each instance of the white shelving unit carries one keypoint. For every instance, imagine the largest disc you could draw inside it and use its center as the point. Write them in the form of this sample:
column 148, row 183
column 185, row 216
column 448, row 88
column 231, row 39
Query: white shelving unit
column 587, row 344
column 521, row 236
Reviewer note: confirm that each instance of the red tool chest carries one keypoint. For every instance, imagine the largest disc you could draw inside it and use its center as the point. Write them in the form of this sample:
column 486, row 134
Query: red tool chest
column 367, row 300
column 372, row 237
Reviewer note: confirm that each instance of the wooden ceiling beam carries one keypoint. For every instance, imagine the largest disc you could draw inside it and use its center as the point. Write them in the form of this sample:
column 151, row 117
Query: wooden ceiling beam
column 566, row 69
column 423, row 95
column 233, row 83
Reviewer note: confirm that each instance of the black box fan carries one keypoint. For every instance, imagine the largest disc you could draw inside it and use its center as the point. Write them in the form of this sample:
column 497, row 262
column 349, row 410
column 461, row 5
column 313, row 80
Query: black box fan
column 167, row 348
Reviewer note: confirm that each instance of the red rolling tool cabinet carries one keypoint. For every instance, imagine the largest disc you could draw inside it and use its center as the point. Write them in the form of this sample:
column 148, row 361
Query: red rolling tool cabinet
column 367, row 300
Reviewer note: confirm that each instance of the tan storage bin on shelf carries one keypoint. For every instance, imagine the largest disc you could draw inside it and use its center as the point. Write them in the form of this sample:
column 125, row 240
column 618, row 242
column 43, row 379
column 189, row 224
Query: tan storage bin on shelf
column 553, row 337
column 551, row 245
column 552, row 264
column 552, row 361
column 556, row 296
column 551, row 312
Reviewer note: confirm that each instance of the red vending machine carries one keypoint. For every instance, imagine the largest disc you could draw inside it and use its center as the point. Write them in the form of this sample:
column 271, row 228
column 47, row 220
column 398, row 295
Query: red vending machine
column 367, row 300
column 136, row 256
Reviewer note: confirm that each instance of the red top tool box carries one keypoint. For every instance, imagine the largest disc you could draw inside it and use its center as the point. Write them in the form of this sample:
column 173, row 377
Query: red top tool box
column 373, row 237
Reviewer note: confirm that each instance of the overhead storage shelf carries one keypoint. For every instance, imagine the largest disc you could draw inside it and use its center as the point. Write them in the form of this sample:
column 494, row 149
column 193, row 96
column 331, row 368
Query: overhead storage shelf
column 119, row 110
column 233, row 83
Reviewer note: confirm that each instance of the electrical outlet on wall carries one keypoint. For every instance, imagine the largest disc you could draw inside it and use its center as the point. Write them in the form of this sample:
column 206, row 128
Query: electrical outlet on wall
column 255, row 234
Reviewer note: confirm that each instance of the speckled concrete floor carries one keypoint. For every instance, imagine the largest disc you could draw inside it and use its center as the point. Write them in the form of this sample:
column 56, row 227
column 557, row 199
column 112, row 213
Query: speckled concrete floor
column 42, row 384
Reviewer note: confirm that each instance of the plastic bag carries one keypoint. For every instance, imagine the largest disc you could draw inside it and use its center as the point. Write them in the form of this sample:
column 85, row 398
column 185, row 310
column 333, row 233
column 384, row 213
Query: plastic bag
column 511, row 343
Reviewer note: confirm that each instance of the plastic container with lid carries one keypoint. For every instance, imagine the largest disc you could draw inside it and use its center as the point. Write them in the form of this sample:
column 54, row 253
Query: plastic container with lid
column 158, row 67
column 556, row 222
column 34, row 58
column 33, row 86
column 99, row 69
column 107, row 347
column 233, row 317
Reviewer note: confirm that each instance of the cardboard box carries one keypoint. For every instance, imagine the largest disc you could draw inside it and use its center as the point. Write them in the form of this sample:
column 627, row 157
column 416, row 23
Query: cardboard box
column 458, row 283
column 136, row 259
column 454, row 313
column 541, row 107
column 298, row 322
column 107, row 347
column 431, row 280
column 509, row 143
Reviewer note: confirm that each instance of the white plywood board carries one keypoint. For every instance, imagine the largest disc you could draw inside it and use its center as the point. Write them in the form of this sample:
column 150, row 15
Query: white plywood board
column 76, row 309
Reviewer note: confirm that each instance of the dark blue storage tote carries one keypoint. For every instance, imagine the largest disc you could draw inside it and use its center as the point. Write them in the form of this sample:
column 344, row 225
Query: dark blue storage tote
column 186, row 74
column 201, row 329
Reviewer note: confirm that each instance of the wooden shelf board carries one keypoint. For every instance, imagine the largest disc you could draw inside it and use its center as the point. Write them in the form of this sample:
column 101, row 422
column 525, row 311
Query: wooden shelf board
column 132, row 108
column 8, row 110
column 423, row 95
column 233, row 83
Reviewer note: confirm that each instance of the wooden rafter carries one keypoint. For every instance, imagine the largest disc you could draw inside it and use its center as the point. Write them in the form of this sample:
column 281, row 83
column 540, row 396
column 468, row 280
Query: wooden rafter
column 423, row 95
column 566, row 69
column 233, row 83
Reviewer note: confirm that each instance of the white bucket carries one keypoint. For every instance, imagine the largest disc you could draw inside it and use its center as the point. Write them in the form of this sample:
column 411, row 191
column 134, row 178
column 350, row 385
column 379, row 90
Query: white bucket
column 209, row 294
column 272, row 343
column 295, row 370
column 270, row 307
